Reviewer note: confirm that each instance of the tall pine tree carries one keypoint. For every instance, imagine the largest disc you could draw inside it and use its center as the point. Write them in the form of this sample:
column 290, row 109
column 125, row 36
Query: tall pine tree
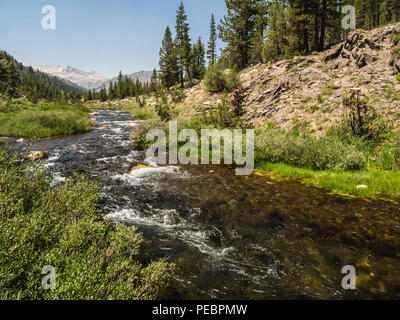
column 237, row 30
column 260, row 28
column 168, row 61
column 183, row 45
column 212, row 43
column 199, row 65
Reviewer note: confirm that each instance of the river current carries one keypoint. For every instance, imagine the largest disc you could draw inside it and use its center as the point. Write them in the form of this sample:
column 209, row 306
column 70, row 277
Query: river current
column 233, row 237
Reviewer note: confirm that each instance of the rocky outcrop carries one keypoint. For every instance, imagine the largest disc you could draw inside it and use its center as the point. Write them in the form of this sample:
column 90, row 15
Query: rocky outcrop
column 309, row 90
column 395, row 60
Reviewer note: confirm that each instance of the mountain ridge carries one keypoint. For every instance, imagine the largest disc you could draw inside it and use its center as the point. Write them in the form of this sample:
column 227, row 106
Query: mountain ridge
column 86, row 80
column 143, row 76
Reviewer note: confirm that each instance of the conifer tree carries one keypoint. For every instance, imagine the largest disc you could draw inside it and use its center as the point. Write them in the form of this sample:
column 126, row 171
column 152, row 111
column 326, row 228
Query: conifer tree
column 111, row 93
column 103, row 95
column 154, row 81
column 212, row 43
column 168, row 61
column 237, row 29
column 9, row 79
column 183, row 45
column 89, row 95
column 276, row 44
column 199, row 65
column 120, row 89
column 260, row 28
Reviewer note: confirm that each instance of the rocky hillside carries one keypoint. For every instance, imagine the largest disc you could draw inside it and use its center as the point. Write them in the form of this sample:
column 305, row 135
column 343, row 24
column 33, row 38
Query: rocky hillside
column 309, row 90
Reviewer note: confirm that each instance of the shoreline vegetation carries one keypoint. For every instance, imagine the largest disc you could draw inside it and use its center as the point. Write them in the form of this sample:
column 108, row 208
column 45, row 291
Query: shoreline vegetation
column 24, row 119
column 382, row 185
column 350, row 160
column 63, row 227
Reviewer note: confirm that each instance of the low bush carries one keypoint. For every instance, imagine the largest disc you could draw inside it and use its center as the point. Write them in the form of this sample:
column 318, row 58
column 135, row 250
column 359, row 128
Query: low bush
column 62, row 227
column 387, row 155
column 396, row 39
column 217, row 80
column 364, row 120
column 177, row 95
column 304, row 150
column 138, row 135
column 223, row 115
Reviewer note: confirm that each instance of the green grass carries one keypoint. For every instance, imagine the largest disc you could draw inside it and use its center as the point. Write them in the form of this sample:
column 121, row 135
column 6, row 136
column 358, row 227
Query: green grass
column 63, row 227
column 134, row 109
column 381, row 184
column 24, row 119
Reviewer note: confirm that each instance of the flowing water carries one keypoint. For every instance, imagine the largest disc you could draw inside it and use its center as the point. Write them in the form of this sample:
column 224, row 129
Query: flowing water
column 234, row 237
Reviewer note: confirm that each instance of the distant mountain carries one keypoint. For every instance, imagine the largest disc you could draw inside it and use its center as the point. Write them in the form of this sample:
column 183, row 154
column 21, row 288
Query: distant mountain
column 86, row 80
column 143, row 76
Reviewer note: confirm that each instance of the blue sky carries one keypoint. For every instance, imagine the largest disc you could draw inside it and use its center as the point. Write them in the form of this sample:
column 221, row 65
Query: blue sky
column 105, row 36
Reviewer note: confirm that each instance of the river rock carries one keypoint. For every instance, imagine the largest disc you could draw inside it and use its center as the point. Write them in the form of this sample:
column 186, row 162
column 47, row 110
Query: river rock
column 36, row 155
column 140, row 166
column 22, row 140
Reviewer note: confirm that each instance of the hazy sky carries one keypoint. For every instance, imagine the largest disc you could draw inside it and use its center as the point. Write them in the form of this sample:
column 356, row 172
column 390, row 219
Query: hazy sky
column 100, row 35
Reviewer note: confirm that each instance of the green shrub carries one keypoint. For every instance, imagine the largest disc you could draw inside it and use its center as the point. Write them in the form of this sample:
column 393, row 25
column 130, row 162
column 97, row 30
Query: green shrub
column 177, row 95
column 396, row 39
column 62, row 227
column 303, row 150
column 163, row 111
column 163, row 108
column 222, row 116
column 217, row 80
column 363, row 119
column 315, row 108
column 387, row 155
column 139, row 134
column 398, row 77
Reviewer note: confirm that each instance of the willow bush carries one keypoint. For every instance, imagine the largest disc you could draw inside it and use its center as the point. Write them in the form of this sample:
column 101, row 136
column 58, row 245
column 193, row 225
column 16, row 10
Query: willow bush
column 63, row 227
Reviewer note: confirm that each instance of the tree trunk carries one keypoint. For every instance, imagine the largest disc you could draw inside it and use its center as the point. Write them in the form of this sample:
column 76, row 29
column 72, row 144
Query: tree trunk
column 9, row 101
column 316, row 27
column 323, row 26
column 189, row 75
column 181, row 78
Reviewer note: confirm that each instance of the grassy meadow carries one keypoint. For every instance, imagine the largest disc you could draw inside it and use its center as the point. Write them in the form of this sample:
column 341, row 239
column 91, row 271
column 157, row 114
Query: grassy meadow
column 25, row 119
